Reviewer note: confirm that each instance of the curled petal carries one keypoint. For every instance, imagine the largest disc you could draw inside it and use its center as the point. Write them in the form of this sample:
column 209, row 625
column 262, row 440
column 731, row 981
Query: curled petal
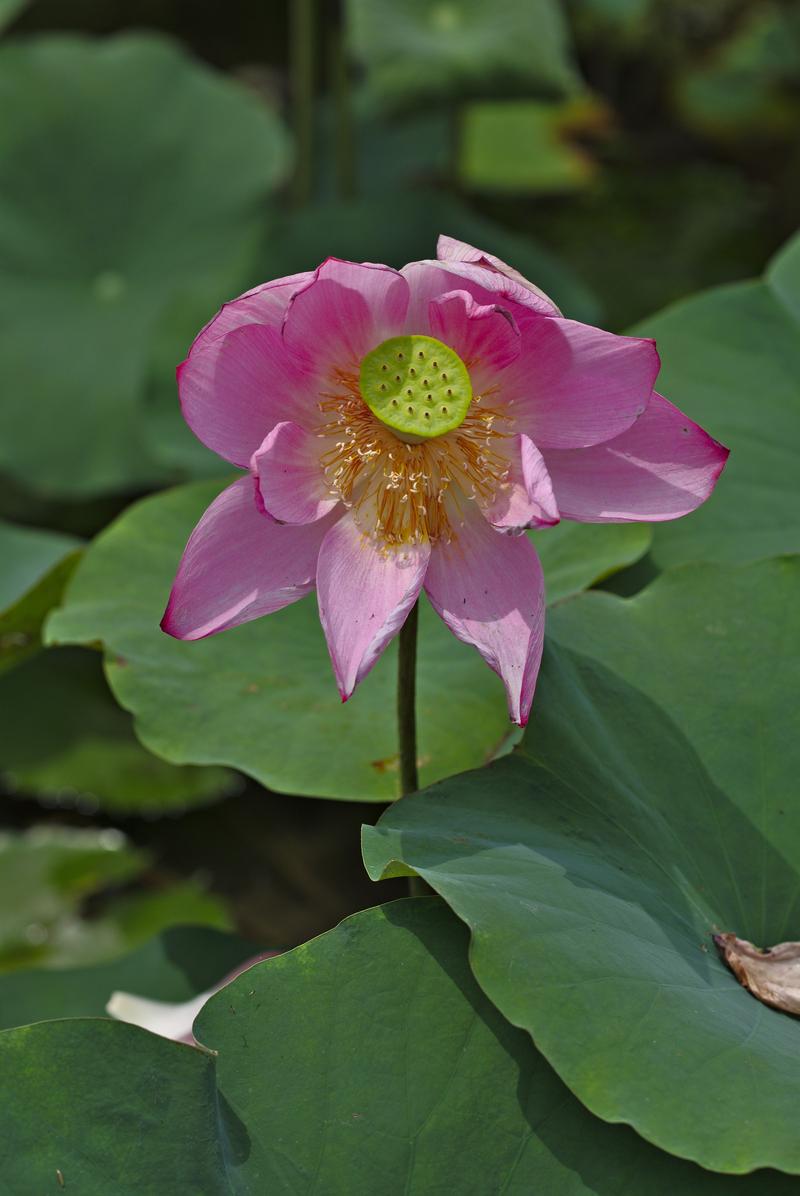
column 290, row 485
column 448, row 249
column 344, row 311
column 234, row 390
column 661, row 468
column 429, row 280
column 526, row 498
column 573, row 385
column 238, row 565
column 485, row 336
column 489, row 590
column 365, row 593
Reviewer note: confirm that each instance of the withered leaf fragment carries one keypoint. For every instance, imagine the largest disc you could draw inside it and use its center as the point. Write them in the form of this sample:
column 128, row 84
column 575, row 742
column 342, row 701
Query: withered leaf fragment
column 771, row 975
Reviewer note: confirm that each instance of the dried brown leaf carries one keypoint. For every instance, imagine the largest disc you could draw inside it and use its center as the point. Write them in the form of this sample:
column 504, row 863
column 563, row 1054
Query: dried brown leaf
column 771, row 975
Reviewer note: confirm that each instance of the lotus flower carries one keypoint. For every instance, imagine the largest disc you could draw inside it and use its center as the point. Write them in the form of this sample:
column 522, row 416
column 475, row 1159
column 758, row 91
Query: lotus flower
column 399, row 429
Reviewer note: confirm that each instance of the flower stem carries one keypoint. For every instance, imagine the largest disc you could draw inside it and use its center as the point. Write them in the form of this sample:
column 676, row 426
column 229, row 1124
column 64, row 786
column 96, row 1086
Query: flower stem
column 407, row 722
column 301, row 50
column 407, row 704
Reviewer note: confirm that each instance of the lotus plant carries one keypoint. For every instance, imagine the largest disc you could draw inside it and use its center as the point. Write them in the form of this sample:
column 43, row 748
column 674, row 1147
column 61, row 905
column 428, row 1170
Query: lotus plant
column 399, row 430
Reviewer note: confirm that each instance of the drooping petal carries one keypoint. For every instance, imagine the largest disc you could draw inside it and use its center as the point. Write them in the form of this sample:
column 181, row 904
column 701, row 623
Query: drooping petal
column 238, row 565
column 448, row 249
column 234, row 391
column 573, row 385
column 526, row 498
column 489, row 590
column 264, row 304
column 365, row 593
column 485, row 336
column 290, row 484
column 661, row 468
column 344, row 311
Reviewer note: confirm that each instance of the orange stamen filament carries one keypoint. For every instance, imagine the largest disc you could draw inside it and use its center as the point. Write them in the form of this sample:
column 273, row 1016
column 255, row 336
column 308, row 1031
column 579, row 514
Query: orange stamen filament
column 404, row 493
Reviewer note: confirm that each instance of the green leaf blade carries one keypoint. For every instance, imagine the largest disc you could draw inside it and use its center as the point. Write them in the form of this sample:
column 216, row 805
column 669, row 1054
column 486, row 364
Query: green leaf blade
column 647, row 808
column 731, row 360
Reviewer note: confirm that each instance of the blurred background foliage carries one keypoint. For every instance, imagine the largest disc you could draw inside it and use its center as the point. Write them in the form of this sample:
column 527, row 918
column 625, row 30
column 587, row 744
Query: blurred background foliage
column 158, row 157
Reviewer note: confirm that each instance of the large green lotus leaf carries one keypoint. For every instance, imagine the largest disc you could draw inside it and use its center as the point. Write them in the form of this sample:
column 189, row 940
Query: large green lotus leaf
column 46, row 875
column 731, row 359
column 175, row 965
column 261, row 697
column 36, row 567
column 89, row 756
column 414, row 51
column 576, row 555
column 650, row 803
column 93, row 1106
column 130, row 178
column 367, row 1060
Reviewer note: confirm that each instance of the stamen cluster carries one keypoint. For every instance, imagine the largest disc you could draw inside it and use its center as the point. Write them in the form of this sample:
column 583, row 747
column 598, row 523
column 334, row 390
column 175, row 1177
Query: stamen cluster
column 404, row 493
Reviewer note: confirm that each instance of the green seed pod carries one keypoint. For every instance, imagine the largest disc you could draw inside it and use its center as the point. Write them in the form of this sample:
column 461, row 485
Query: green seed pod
column 417, row 386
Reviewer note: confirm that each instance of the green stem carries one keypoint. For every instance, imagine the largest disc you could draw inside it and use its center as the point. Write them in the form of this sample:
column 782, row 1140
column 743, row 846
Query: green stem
column 301, row 53
column 407, row 722
column 407, row 703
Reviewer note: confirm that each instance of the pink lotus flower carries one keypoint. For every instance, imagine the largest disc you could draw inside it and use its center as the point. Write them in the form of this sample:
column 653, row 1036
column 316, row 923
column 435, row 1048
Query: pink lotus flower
column 398, row 427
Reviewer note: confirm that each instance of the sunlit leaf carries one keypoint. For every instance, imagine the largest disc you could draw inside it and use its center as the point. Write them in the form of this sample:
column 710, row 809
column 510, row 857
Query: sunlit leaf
column 528, row 146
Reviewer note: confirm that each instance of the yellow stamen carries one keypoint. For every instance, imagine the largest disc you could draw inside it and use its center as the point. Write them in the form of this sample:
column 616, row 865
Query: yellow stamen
column 403, row 493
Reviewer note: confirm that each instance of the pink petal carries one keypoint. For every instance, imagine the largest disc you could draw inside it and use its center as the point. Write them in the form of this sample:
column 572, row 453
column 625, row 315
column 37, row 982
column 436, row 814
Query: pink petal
column 661, row 468
column 264, row 304
column 290, row 484
column 239, row 565
column 526, row 499
column 573, row 385
column 429, row 280
column 485, row 337
column 344, row 311
column 489, row 590
column 448, row 249
column 234, row 390
column 365, row 593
